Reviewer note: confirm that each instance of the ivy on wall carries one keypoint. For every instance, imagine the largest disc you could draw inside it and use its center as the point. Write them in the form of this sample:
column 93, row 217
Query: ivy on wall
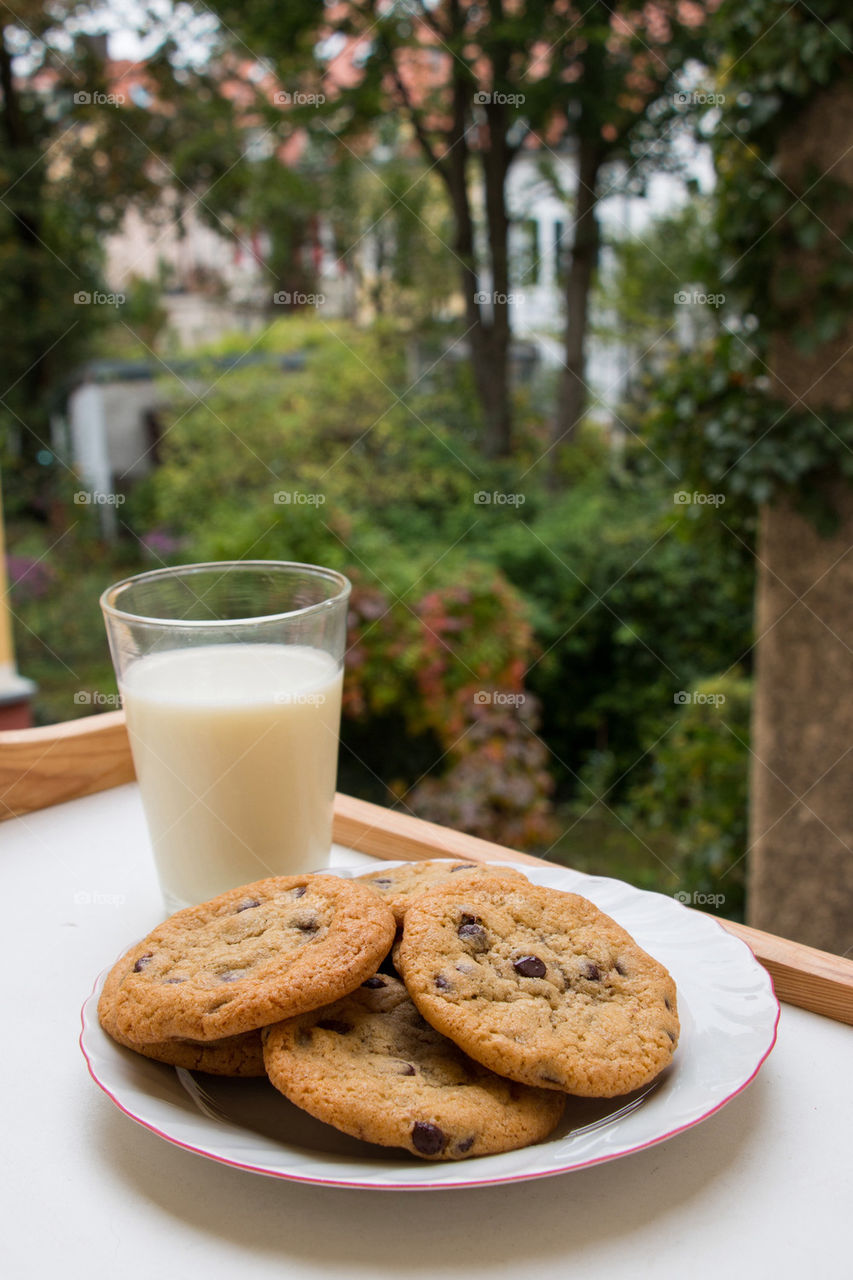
column 786, row 267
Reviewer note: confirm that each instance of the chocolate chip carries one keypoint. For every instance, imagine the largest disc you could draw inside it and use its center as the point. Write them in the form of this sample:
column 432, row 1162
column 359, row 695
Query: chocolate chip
column 670, row 1034
column 232, row 975
column 620, row 969
column 170, row 982
column 406, row 1069
column 334, row 1024
column 592, row 972
column 375, row 982
column 529, row 967
column 303, row 1037
column 465, row 866
column 668, row 1005
column 427, row 1138
column 250, row 902
column 550, row 1079
column 142, row 962
column 305, row 924
column 465, row 1145
column 383, row 880
column 475, row 936
column 441, row 983
column 300, row 891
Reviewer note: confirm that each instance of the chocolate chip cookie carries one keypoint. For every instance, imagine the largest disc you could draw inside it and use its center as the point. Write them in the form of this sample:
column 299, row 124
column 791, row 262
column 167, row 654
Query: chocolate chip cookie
column 399, row 886
column 233, row 1056
column 249, row 957
column 540, row 986
column 369, row 1065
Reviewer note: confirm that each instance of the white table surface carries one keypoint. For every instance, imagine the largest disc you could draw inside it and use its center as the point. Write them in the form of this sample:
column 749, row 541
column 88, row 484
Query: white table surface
column 763, row 1188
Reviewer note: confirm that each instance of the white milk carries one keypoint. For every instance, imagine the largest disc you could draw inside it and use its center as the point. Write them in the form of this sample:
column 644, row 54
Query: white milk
column 236, row 749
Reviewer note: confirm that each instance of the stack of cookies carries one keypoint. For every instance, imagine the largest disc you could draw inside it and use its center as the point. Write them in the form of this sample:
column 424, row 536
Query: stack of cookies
column 446, row 1008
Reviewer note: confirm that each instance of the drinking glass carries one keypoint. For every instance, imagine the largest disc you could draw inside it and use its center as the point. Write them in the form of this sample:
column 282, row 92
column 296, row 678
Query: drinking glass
column 230, row 675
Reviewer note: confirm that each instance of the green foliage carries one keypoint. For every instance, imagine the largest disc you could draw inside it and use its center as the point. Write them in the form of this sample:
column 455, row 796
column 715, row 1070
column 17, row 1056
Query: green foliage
column 767, row 237
column 698, row 791
column 74, row 156
column 506, row 659
column 641, row 277
column 596, row 605
column 56, row 577
column 785, row 240
column 710, row 417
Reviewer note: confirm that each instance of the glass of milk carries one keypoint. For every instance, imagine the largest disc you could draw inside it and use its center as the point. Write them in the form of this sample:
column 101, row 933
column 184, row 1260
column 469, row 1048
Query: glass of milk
column 230, row 676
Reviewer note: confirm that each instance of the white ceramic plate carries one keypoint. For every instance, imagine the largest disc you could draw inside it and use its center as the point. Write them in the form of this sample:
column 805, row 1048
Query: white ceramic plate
column 728, row 1018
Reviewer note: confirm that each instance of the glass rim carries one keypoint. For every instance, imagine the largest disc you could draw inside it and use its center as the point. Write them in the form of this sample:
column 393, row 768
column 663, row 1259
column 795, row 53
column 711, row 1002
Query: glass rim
column 111, row 611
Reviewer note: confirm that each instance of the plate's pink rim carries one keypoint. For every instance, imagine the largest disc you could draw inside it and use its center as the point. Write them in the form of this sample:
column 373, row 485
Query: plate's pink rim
column 444, row 1186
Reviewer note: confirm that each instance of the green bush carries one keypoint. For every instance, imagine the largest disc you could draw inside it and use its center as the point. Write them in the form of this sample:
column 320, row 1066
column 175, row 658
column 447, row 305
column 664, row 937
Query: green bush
column 698, row 790
column 587, row 611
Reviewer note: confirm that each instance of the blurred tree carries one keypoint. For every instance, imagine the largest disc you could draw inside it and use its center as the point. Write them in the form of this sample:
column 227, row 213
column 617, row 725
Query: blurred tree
column 764, row 415
column 788, row 141
column 617, row 78
column 476, row 84
column 76, row 150
column 457, row 73
column 639, row 299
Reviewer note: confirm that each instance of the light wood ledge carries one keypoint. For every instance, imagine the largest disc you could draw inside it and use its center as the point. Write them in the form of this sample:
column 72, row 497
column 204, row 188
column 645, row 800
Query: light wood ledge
column 40, row 767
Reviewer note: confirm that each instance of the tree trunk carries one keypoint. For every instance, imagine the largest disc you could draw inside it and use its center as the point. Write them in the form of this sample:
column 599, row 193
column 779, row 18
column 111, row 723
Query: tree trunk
column 801, row 824
column 495, row 159
column 584, row 259
column 801, row 820
column 488, row 328
column 488, row 339
column 30, row 388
